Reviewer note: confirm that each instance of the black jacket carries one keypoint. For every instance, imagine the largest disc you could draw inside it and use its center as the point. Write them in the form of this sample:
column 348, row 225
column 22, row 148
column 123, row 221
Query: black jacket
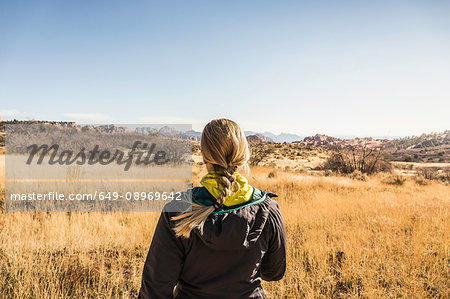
column 239, row 247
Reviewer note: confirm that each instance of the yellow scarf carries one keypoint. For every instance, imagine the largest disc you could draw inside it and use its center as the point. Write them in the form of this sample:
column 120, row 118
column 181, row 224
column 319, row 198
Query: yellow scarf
column 211, row 183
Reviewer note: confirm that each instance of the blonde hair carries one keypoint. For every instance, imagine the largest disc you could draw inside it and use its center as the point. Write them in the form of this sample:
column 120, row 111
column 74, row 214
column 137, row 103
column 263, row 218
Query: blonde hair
column 224, row 145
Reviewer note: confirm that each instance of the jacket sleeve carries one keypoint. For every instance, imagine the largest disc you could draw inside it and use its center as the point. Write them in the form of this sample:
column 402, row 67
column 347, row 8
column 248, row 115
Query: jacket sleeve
column 273, row 263
column 164, row 262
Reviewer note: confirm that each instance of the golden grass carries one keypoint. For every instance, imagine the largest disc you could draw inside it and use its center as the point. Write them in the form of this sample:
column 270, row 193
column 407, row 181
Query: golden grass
column 346, row 238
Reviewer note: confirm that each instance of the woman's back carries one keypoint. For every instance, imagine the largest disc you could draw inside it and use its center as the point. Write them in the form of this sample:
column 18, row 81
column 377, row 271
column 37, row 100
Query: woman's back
column 229, row 236
column 239, row 246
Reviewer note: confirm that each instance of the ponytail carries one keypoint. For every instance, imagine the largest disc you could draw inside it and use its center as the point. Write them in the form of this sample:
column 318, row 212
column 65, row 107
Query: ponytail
column 223, row 145
column 197, row 217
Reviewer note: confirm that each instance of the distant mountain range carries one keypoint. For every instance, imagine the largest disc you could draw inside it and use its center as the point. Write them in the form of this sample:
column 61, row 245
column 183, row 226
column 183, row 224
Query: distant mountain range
column 282, row 137
column 318, row 140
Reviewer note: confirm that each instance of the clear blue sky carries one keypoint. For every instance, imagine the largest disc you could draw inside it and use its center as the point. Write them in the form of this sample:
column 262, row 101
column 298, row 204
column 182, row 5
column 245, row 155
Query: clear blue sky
column 365, row 68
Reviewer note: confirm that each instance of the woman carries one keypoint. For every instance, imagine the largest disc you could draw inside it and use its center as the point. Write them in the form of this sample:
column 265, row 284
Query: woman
column 233, row 237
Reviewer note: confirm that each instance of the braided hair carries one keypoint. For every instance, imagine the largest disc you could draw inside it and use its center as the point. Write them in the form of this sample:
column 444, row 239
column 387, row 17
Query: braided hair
column 228, row 182
column 224, row 145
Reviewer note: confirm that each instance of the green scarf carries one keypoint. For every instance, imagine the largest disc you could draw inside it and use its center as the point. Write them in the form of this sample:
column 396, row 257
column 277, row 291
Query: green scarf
column 211, row 183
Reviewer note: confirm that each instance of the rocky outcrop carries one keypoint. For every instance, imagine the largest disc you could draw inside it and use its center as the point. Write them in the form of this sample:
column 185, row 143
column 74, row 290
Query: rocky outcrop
column 258, row 138
column 327, row 142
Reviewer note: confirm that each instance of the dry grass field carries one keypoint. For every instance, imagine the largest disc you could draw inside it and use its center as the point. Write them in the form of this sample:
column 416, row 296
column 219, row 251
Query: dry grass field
column 346, row 239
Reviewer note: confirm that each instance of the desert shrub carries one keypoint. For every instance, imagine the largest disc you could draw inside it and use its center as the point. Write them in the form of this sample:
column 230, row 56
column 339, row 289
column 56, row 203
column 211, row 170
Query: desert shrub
column 195, row 147
column 396, row 180
column 365, row 160
column 272, row 174
column 327, row 172
column 301, row 170
column 358, row 175
column 2, row 199
column 272, row 164
column 408, row 159
column 446, row 175
column 420, row 180
column 435, row 173
column 428, row 173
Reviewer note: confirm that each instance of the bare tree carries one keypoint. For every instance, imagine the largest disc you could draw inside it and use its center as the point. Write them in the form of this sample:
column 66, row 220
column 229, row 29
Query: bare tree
column 259, row 151
column 366, row 160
